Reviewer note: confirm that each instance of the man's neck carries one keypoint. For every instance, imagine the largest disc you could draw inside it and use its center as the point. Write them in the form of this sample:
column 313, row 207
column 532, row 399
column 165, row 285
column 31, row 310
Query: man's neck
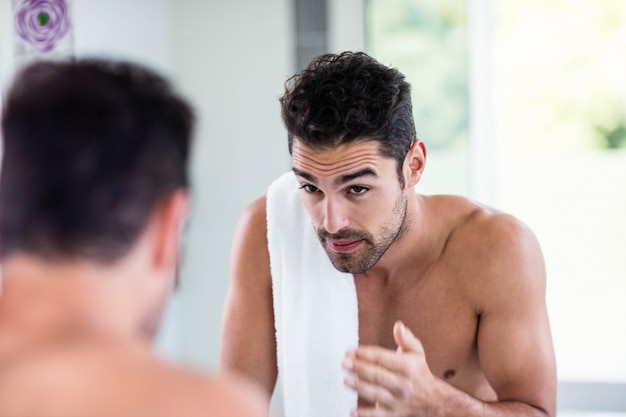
column 416, row 251
column 45, row 301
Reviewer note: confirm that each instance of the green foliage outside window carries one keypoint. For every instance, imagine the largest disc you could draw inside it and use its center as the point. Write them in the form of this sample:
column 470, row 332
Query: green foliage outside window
column 560, row 74
column 427, row 41
column 559, row 69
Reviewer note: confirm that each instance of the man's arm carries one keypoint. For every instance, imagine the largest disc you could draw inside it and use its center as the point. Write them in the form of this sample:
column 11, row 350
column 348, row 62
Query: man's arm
column 248, row 335
column 514, row 342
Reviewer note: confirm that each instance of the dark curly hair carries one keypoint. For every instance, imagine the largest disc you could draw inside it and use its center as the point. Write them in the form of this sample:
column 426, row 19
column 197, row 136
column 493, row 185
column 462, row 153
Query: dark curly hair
column 348, row 97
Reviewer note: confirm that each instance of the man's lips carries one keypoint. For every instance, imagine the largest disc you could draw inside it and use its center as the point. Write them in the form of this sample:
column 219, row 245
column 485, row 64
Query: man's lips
column 343, row 246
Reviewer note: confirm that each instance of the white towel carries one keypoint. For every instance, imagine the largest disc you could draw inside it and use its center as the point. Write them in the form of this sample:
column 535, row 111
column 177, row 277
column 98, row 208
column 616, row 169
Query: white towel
column 315, row 309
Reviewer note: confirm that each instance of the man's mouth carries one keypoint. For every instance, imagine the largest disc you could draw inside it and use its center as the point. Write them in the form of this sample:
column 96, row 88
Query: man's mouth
column 343, row 246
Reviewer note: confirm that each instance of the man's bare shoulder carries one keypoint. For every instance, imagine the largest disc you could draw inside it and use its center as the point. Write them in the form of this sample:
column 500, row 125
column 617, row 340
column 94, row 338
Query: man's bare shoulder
column 250, row 255
column 479, row 227
column 114, row 380
column 255, row 214
column 488, row 246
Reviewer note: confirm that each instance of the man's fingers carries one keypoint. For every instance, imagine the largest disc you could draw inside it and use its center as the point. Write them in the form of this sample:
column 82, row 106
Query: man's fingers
column 371, row 412
column 385, row 377
column 407, row 343
column 374, row 374
column 371, row 392
column 405, row 339
column 379, row 356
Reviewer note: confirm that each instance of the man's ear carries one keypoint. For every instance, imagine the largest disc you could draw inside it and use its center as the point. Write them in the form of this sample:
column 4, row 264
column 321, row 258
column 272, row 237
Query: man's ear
column 414, row 163
column 171, row 219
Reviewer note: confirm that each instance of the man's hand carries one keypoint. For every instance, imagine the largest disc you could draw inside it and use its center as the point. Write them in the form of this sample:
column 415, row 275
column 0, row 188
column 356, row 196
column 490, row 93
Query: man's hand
column 399, row 383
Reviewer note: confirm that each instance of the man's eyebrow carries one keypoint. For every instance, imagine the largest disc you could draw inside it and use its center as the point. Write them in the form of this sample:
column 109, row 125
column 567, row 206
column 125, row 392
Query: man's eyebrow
column 304, row 175
column 365, row 172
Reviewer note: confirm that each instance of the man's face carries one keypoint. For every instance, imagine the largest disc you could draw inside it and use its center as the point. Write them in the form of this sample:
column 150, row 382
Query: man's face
column 355, row 200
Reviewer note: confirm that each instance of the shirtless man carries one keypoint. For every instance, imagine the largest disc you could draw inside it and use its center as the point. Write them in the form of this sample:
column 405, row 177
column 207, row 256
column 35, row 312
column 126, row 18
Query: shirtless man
column 451, row 294
column 93, row 197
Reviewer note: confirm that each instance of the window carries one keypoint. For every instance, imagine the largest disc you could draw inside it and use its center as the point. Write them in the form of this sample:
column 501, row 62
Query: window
column 556, row 105
column 560, row 94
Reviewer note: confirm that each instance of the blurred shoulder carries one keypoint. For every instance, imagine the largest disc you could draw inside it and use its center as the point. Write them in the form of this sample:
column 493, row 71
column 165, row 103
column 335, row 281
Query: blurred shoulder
column 104, row 379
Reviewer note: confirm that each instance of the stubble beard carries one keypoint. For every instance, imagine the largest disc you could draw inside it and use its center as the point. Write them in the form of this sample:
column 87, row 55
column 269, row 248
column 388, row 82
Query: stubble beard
column 371, row 250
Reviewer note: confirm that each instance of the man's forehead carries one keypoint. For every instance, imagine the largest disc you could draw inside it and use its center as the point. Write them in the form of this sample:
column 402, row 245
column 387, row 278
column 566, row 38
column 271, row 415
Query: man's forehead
column 337, row 160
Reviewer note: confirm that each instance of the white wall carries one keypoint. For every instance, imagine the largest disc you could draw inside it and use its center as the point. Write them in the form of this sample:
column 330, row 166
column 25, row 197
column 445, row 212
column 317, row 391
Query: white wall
column 139, row 30
column 232, row 58
column 346, row 25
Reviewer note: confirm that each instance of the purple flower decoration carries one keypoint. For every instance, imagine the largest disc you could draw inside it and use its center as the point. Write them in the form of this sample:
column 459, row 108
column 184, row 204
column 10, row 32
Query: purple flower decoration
column 42, row 23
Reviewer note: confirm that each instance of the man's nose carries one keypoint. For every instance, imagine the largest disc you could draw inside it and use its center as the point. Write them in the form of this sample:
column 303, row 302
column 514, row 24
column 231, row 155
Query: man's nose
column 335, row 215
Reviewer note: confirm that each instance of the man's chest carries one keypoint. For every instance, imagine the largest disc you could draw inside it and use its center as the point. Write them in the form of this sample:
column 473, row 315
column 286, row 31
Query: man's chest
column 440, row 317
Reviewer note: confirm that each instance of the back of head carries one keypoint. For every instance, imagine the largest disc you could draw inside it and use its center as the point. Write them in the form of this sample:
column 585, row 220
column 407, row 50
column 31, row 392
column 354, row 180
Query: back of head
column 341, row 98
column 90, row 149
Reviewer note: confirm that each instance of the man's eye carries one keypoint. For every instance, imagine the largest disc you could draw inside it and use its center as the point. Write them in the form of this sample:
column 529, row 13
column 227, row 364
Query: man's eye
column 309, row 188
column 357, row 189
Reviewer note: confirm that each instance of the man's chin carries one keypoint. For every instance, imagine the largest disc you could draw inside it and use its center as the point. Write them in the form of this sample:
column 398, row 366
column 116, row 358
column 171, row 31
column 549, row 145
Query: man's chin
column 347, row 266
